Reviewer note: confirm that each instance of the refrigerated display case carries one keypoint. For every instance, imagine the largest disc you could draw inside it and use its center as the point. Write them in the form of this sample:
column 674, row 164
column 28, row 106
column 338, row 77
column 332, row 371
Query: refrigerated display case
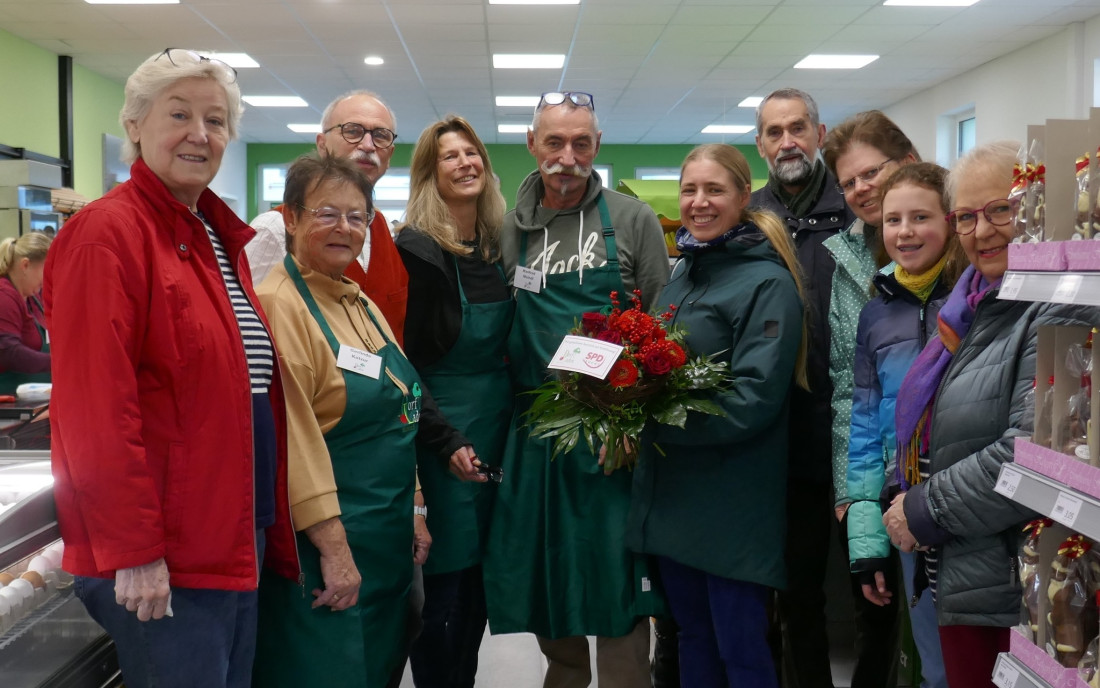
column 47, row 639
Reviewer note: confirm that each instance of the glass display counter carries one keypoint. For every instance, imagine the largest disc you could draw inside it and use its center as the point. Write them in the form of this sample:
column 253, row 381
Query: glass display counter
column 47, row 639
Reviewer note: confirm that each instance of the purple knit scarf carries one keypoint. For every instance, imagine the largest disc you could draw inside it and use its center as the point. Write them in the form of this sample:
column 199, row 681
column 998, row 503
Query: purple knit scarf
column 917, row 394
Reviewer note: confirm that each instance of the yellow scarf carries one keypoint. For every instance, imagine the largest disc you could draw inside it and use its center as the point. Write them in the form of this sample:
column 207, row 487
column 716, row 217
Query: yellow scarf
column 921, row 285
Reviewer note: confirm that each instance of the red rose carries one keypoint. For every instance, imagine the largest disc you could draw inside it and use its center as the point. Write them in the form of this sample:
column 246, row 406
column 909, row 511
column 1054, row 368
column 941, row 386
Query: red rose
column 593, row 323
column 609, row 336
column 675, row 354
column 656, row 362
column 623, row 374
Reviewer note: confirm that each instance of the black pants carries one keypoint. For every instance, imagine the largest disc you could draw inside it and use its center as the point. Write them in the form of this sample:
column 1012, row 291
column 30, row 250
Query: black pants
column 805, row 647
column 445, row 655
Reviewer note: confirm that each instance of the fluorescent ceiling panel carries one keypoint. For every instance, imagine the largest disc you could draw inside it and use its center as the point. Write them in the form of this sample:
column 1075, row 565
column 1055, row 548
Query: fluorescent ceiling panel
column 513, row 61
column 275, row 101
column 930, row 3
column 835, row 61
column 373, row 60
column 235, row 60
column 512, row 128
column 727, row 128
column 751, row 102
column 305, row 128
column 517, row 101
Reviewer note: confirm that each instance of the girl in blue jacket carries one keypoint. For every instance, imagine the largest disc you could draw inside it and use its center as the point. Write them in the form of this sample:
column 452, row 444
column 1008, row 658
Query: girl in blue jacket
column 893, row 328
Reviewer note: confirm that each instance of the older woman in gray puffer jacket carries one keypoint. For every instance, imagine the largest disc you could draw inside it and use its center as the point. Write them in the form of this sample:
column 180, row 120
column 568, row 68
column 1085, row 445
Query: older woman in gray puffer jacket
column 961, row 406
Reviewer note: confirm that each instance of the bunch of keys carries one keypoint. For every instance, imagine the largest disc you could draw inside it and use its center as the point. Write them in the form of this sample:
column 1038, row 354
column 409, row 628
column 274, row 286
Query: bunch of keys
column 494, row 473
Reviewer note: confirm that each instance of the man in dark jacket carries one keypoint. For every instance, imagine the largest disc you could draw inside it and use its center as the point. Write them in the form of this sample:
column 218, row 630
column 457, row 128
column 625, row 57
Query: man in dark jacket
column 804, row 194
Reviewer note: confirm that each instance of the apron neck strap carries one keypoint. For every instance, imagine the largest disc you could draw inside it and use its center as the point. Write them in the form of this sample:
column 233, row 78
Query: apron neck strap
column 608, row 235
column 311, row 303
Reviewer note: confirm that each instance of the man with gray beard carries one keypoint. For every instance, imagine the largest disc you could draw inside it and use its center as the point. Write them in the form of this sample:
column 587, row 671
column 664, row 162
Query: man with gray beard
column 556, row 564
column 805, row 195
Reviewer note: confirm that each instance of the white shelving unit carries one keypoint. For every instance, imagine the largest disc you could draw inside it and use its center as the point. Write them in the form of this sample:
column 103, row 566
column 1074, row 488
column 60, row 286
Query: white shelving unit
column 1055, row 287
column 1052, row 484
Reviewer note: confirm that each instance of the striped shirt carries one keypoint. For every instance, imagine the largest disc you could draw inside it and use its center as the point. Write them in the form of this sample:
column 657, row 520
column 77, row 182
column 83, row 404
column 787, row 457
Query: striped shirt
column 257, row 343
column 932, row 556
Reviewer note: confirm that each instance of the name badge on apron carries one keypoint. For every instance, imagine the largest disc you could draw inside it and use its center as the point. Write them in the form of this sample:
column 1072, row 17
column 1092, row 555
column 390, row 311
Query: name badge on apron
column 359, row 361
column 527, row 279
column 410, row 408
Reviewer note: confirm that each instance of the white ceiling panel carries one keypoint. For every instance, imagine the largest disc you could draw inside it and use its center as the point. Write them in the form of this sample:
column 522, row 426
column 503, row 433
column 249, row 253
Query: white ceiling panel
column 660, row 69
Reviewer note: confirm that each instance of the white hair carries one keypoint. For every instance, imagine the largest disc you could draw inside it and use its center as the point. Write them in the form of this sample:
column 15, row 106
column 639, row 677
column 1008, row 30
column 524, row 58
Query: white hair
column 360, row 93
column 158, row 73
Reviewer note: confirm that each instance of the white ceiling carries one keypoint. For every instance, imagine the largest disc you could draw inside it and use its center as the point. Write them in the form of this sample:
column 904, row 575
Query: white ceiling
column 660, row 70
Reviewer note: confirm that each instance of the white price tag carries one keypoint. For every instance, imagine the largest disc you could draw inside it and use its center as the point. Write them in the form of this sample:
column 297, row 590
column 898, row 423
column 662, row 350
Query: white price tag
column 1008, row 482
column 583, row 355
column 1006, row 675
column 1067, row 289
column 1010, row 287
column 359, row 361
column 527, row 279
column 1066, row 509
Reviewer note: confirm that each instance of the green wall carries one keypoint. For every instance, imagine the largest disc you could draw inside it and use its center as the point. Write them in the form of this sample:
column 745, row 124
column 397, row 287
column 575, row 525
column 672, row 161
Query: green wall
column 511, row 162
column 28, row 80
column 96, row 103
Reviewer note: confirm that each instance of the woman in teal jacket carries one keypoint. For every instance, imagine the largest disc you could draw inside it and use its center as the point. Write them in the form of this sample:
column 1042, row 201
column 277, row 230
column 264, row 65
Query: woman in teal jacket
column 709, row 500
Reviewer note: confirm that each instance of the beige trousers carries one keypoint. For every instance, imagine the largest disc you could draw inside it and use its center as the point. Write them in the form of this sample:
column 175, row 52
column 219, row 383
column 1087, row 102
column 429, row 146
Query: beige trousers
column 621, row 662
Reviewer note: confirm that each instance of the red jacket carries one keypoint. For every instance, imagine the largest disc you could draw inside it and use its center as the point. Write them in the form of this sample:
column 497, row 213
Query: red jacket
column 388, row 285
column 151, row 411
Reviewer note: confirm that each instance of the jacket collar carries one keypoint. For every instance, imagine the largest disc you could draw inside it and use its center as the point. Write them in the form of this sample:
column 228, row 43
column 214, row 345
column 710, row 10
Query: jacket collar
column 232, row 231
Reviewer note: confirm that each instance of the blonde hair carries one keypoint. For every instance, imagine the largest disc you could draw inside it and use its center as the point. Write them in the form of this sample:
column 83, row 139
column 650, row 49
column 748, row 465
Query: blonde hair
column 429, row 213
column 773, row 229
column 159, row 72
column 32, row 246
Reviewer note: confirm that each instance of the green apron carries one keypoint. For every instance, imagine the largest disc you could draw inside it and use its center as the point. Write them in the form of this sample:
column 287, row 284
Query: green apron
column 10, row 380
column 471, row 386
column 556, row 564
column 373, row 460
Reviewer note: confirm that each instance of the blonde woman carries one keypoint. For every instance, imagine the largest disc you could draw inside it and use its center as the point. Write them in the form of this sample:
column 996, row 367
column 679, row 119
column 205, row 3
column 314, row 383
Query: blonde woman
column 709, row 500
column 459, row 314
column 24, row 345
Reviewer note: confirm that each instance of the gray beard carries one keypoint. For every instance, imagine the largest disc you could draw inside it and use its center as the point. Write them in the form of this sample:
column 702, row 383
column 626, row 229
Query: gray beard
column 793, row 172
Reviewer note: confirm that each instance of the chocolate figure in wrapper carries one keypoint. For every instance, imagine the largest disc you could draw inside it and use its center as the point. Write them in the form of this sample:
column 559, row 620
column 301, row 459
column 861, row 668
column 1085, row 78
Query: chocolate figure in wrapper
column 1073, row 616
column 1030, row 580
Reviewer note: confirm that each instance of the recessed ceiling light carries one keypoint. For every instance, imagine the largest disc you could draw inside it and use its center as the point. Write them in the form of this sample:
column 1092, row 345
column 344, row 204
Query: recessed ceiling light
column 132, row 2
column 304, row 128
column 534, row 2
column 835, row 61
column 373, row 60
column 751, row 101
column 235, row 60
column 517, row 101
column 528, row 61
column 512, row 128
column 727, row 129
column 930, row 3
column 275, row 101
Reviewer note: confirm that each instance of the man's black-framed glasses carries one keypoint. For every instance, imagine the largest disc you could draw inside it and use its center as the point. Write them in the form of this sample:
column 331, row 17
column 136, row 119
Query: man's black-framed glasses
column 353, row 132
column 578, row 98
column 180, row 57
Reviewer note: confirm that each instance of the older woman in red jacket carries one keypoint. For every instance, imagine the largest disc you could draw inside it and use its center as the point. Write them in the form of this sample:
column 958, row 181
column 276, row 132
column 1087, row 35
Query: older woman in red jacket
column 167, row 413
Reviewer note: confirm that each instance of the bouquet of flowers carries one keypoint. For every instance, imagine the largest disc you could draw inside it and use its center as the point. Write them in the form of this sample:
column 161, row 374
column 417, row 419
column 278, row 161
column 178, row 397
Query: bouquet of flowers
column 654, row 378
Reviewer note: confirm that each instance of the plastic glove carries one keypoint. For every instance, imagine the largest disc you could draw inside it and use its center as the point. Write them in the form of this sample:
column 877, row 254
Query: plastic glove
column 144, row 589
